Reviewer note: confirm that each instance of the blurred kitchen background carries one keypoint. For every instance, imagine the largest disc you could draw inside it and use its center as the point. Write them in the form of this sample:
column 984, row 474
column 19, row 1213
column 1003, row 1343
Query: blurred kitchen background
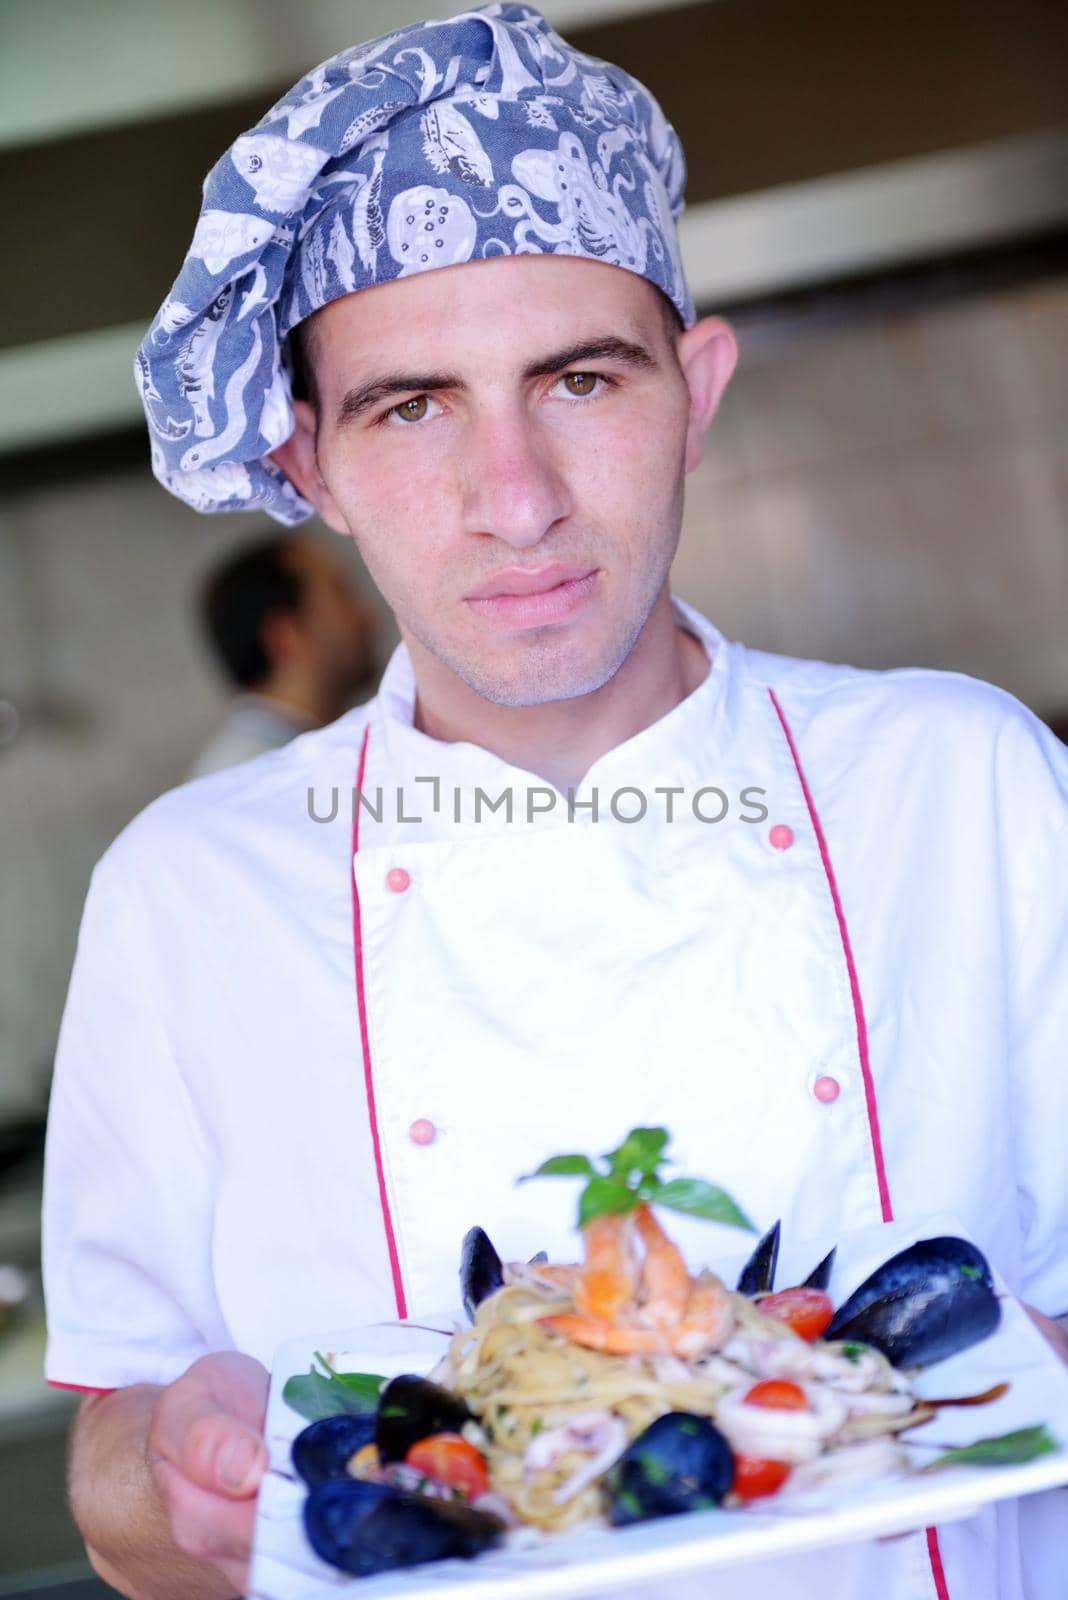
column 878, row 200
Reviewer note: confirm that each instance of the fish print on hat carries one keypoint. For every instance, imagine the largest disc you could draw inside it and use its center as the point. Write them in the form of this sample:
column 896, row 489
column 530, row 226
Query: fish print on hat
column 449, row 141
column 223, row 237
column 277, row 170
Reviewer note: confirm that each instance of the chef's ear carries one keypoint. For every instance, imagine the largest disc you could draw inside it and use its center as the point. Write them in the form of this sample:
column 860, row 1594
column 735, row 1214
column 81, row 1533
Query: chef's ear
column 707, row 353
column 299, row 461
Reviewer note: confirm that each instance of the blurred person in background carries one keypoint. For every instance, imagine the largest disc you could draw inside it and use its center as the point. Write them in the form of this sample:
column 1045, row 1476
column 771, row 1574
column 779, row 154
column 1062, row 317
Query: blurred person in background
column 293, row 635
column 1058, row 724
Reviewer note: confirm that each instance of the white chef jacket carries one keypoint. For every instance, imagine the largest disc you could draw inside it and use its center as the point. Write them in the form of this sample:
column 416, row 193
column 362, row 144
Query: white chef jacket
column 302, row 1054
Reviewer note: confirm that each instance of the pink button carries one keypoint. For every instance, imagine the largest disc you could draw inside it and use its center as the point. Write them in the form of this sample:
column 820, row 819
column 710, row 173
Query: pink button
column 422, row 1131
column 397, row 879
column 826, row 1089
column 781, row 837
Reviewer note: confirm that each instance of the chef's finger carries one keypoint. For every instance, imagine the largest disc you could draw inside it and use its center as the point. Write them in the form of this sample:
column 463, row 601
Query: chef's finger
column 209, row 1446
column 206, row 1526
column 218, row 1454
column 237, row 1383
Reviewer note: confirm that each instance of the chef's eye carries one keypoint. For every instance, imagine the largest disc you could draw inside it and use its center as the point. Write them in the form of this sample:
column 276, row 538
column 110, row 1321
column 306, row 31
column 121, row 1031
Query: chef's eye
column 413, row 410
column 581, row 385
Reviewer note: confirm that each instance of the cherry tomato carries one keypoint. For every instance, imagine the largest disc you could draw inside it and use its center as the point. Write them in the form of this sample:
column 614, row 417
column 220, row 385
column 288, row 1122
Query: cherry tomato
column 451, row 1460
column 777, row 1394
column 807, row 1311
column 754, row 1477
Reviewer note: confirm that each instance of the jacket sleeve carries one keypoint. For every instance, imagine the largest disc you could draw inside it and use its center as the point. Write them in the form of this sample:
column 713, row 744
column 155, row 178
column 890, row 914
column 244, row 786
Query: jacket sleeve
column 127, row 1205
column 1038, row 1023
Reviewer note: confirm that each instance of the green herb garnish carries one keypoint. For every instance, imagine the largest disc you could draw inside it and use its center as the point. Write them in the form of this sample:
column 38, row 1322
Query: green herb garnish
column 1004, row 1450
column 630, row 1175
column 315, row 1394
column 628, row 1501
column 657, row 1472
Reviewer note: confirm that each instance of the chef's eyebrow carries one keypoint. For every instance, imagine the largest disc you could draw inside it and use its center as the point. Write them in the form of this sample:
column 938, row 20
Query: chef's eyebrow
column 607, row 348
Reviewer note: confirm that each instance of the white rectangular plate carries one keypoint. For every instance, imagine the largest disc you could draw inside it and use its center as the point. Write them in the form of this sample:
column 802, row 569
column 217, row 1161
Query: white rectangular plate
column 608, row 1560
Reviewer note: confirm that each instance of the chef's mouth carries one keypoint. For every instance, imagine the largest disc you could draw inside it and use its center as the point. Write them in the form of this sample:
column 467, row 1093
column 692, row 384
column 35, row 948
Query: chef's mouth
column 525, row 600
column 512, row 581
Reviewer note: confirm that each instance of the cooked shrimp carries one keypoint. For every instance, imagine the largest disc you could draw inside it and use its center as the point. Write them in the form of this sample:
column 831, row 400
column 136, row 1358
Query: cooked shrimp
column 709, row 1319
column 650, row 1307
column 542, row 1275
column 608, row 1280
column 665, row 1280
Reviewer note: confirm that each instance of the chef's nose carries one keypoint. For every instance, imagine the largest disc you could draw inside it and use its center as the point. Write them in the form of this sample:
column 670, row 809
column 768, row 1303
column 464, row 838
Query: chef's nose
column 512, row 485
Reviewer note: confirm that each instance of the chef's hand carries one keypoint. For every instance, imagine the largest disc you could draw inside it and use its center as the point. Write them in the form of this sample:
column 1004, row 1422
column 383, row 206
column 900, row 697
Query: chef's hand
column 207, row 1455
column 1054, row 1330
column 162, row 1480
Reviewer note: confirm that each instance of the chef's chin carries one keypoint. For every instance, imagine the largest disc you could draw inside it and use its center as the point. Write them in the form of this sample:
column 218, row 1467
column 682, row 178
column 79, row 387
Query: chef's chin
column 544, row 666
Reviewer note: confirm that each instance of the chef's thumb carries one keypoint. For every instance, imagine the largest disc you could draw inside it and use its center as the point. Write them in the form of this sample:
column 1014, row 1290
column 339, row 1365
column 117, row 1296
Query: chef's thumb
column 215, row 1451
column 208, row 1425
column 238, row 1462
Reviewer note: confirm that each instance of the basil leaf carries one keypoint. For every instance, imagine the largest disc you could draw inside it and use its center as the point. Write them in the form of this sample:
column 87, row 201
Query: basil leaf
column 562, row 1167
column 605, row 1197
column 314, row 1395
column 641, row 1151
column 696, row 1198
column 1004, row 1450
column 633, row 1179
column 367, row 1385
column 329, row 1394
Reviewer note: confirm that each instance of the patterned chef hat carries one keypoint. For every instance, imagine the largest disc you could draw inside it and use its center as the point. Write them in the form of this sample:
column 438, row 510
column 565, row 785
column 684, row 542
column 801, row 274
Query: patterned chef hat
column 448, row 141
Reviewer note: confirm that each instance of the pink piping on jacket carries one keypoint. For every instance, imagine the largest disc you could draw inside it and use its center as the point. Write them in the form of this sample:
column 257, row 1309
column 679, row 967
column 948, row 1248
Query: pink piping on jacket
column 854, row 984
column 365, row 1041
column 933, row 1551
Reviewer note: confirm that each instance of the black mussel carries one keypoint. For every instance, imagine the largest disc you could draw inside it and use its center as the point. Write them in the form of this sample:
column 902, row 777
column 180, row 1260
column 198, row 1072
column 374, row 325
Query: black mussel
column 366, row 1532
column 758, row 1274
column 926, row 1303
column 481, row 1270
column 680, row 1463
column 333, row 1512
column 324, row 1448
column 820, row 1276
column 410, row 1409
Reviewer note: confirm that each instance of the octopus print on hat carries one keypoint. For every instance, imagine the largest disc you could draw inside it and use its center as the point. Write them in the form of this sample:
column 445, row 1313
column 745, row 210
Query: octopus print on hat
column 446, row 142
column 424, row 222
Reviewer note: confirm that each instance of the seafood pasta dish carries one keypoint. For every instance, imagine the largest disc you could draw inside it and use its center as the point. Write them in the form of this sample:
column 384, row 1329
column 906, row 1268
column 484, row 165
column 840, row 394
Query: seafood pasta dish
column 624, row 1387
column 566, row 1366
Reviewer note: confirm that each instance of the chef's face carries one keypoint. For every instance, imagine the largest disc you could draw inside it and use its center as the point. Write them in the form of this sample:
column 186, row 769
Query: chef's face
column 513, row 424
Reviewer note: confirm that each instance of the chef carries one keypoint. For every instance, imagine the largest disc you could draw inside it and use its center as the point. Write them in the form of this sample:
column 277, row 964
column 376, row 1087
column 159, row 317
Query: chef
column 582, row 864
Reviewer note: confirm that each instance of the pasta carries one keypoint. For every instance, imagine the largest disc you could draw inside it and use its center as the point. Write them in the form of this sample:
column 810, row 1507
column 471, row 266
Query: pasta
column 550, row 1411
